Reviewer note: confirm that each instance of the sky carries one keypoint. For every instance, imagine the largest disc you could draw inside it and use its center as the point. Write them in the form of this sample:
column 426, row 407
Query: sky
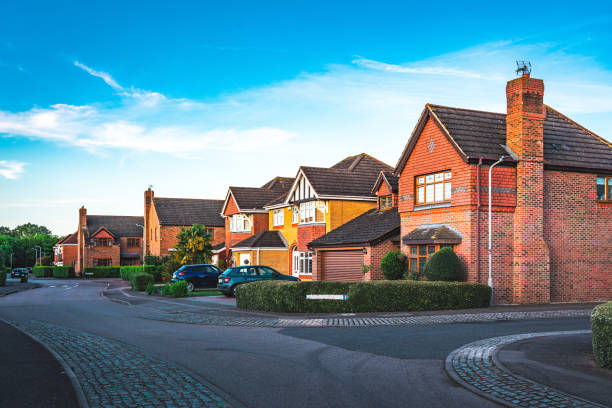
column 99, row 100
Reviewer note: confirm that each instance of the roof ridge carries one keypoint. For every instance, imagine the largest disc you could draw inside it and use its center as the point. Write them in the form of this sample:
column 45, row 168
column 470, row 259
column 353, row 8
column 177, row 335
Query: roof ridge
column 596, row 136
column 433, row 105
column 180, row 198
column 110, row 215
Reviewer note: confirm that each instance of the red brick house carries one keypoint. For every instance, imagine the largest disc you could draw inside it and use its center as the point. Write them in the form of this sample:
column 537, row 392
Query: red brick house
column 165, row 217
column 108, row 240
column 551, row 198
column 65, row 250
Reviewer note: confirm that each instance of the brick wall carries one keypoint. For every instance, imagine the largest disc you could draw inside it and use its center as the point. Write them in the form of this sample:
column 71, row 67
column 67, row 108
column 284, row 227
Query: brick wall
column 260, row 223
column 112, row 252
column 307, row 233
column 69, row 255
column 374, row 256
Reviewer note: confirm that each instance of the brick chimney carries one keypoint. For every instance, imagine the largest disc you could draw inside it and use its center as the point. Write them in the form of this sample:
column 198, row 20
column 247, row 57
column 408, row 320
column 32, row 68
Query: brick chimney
column 525, row 136
column 148, row 201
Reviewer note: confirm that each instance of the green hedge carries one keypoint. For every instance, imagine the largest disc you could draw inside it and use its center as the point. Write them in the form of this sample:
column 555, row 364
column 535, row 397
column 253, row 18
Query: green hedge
column 127, row 271
column 63, row 272
column 2, row 276
column 43, row 271
column 178, row 289
column 102, row 272
column 140, row 280
column 601, row 326
column 378, row 296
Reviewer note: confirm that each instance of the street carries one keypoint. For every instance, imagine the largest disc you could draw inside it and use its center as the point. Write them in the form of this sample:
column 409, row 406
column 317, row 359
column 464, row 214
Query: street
column 388, row 366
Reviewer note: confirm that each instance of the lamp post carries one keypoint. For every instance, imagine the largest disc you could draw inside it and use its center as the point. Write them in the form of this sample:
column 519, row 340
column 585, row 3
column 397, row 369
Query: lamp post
column 11, row 261
column 39, row 253
column 143, row 245
column 490, row 282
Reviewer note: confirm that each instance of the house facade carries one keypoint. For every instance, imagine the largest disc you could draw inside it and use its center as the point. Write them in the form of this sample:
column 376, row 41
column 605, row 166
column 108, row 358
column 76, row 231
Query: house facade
column 66, row 251
column 551, row 198
column 108, row 240
column 165, row 217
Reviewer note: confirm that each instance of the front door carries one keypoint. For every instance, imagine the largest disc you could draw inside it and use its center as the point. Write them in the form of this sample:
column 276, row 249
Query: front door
column 296, row 263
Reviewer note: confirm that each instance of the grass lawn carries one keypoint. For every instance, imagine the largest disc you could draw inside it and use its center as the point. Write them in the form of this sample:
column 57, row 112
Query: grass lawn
column 204, row 293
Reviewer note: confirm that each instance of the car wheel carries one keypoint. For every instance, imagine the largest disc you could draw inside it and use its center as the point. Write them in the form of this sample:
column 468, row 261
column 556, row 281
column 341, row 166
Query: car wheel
column 190, row 286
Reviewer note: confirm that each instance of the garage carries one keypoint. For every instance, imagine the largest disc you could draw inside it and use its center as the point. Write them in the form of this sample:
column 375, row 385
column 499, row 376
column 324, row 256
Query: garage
column 342, row 265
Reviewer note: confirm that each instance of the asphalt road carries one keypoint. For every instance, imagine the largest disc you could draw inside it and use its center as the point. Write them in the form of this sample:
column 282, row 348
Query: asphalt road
column 272, row 367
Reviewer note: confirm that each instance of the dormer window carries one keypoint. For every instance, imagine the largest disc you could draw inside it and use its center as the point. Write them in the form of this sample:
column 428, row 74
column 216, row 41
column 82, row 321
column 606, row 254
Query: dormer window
column 385, row 202
column 433, row 188
column 604, row 188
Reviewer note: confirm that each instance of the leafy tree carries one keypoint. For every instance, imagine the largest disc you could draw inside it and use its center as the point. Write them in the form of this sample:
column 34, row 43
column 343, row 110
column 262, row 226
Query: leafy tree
column 193, row 245
column 29, row 229
column 5, row 230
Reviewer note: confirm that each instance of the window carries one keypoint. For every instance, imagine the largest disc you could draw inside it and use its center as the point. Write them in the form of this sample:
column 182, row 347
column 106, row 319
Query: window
column 419, row 254
column 312, row 211
column 305, row 263
column 604, row 188
column 278, row 217
column 240, row 223
column 103, row 262
column 296, row 215
column 433, row 188
column 210, row 232
column 266, row 272
column 102, row 242
column 133, row 242
column 385, row 202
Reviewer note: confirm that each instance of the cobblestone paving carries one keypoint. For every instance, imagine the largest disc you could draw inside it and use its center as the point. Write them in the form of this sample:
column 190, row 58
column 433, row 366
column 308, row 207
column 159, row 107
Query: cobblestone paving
column 225, row 320
column 116, row 375
column 474, row 367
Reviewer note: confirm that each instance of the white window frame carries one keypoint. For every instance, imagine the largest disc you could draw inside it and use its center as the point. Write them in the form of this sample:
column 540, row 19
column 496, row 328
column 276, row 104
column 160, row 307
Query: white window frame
column 240, row 223
column 308, row 212
column 278, row 217
column 295, row 217
column 305, row 265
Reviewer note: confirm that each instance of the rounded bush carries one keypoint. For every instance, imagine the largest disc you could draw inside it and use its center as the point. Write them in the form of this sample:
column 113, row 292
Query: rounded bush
column 444, row 265
column 601, row 325
column 179, row 289
column 392, row 265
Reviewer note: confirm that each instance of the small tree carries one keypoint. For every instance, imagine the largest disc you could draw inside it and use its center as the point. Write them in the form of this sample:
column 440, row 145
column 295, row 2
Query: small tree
column 392, row 265
column 193, row 245
column 444, row 265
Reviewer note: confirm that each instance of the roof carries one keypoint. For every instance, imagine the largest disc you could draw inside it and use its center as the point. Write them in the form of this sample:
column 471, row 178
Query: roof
column 476, row 134
column 352, row 176
column 387, row 177
column 117, row 225
column 369, row 228
column 263, row 239
column 432, row 234
column 255, row 198
column 71, row 239
column 218, row 248
column 279, row 183
column 188, row 211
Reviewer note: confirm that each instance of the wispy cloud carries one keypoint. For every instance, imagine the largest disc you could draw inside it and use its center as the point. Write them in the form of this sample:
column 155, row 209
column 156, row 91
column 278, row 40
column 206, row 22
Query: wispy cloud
column 407, row 69
column 11, row 169
column 99, row 74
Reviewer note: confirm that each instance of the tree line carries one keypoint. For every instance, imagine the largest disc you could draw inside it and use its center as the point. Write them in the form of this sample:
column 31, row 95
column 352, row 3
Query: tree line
column 18, row 246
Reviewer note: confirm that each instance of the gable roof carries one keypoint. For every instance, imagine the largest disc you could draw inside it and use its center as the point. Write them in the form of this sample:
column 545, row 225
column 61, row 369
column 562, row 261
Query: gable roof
column 369, row 228
column 387, row 177
column 252, row 199
column 188, row 211
column 263, row 239
column 350, row 177
column 117, row 225
column 476, row 134
column 70, row 239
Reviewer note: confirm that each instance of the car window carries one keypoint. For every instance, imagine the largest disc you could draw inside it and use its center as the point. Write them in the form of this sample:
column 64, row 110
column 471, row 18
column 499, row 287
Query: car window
column 252, row 271
column 266, row 272
column 242, row 272
column 198, row 268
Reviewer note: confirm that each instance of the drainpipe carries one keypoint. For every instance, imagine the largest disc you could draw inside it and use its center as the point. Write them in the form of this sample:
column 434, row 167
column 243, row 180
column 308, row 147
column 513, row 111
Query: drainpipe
column 490, row 281
column 258, row 256
column 478, row 221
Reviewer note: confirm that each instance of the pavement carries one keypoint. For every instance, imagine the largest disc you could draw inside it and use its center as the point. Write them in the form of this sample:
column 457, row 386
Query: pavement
column 14, row 285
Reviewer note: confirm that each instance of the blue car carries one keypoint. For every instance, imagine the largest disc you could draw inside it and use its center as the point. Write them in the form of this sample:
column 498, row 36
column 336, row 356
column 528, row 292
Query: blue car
column 197, row 276
column 239, row 275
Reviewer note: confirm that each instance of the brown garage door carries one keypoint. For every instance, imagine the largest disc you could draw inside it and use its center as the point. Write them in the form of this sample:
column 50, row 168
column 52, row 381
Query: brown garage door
column 342, row 266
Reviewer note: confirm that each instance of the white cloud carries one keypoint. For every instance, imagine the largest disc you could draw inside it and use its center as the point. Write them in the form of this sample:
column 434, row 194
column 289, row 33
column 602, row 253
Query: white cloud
column 434, row 70
column 103, row 75
column 11, row 169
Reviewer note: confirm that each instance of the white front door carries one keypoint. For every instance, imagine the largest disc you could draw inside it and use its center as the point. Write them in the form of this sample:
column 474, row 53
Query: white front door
column 245, row 259
column 296, row 263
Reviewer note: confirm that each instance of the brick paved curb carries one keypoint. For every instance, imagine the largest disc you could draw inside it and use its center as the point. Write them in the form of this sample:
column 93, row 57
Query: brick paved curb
column 476, row 368
column 111, row 374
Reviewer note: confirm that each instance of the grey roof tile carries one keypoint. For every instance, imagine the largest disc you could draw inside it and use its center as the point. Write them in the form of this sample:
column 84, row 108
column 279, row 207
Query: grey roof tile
column 188, row 211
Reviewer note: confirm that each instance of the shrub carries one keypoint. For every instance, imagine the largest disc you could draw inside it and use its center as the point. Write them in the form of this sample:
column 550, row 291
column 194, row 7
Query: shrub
column 171, row 264
column 392, row 265
column 376, row 296
column 140, row 280
column 43, row 271
column 178, row 289
column 102, row 272
column 601, row 326
column 2, row 276
column 164, row 290
column 126, row 272
column 151, row 289
column 154, row 260
column 444, row 265
column 63, row 272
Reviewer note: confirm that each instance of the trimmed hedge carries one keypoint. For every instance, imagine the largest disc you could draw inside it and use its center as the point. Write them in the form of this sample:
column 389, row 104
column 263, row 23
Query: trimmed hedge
column 178, row 289
column 140, row 281
column 127, row 271
column 63, row 272
column 2, row 276
column 363, row 297
column 43, row 271
column 601, row 327
column 102, row 272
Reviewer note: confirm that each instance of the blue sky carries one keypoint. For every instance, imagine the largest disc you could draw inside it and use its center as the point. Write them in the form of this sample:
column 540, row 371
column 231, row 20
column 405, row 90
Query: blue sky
column 100, row 100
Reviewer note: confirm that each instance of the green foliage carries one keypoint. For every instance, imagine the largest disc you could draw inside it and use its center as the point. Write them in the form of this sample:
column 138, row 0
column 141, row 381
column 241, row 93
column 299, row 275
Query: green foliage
column 62, row 271
column 171, row 265
column 2, row 276
column 43, row 271
column 23, row 249
column 601, row 327
column 365, row 268
column 140, row 280
column 392, row 265
column 126, row 272
column 363, row 297
column 29, row 230
column 164, row 290
column 154, row 260
column 444, row 265
column 222, row 263
column 151, row 289
column 102, row 272
column 178, row 289
column 193, row 245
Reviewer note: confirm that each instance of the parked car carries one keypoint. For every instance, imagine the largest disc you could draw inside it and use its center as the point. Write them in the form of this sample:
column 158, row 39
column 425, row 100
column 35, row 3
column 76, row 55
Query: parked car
column 239, row 275
column 19, row 272
column 197, row 276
